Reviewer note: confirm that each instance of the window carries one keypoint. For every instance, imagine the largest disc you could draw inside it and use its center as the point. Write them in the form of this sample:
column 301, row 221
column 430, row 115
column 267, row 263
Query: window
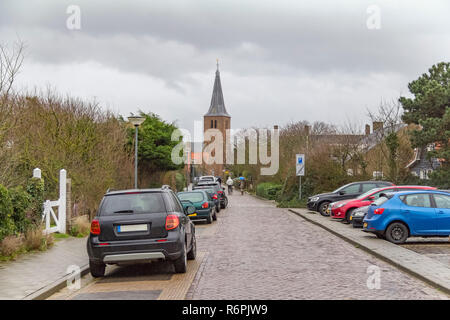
column 176, row 203
column 132, row 203
column 354, row 188
column 417, row 200
column 368, row 186
column 215, row 124
column 380, row 201
column 442, row 201
column 377, row 195
column 191, row 196
column 212, row 123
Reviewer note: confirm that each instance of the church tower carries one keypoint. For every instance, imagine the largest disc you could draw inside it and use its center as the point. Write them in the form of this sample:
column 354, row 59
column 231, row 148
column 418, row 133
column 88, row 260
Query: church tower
column 218, row 118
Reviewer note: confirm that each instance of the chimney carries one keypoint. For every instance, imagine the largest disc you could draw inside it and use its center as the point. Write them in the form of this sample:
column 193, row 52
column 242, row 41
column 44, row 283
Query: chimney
column 377, row 125
column 367, row 129
column 307, row 130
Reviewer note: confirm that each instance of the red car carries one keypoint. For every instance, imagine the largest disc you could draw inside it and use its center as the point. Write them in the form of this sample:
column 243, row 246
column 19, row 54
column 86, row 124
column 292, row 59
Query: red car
column 343, row 209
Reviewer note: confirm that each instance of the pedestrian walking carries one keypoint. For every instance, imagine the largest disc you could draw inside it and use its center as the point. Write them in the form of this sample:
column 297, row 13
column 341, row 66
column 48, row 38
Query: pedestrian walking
column 230, row 185
column 242, row 187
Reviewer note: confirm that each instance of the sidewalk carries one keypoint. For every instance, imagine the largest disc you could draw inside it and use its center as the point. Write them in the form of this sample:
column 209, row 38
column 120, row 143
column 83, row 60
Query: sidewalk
column 32, row 272
column 421, row 266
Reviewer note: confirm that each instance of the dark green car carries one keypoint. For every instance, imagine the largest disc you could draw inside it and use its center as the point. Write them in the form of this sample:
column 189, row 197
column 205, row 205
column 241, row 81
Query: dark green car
column 205, row 208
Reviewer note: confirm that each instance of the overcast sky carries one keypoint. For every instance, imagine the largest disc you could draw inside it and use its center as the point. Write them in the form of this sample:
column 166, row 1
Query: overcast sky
column 280, row 61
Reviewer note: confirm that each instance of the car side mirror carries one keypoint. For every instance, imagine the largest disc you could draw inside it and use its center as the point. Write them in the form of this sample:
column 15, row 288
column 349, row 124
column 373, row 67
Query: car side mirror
column 342, row 192
column 190, row 210
column 223, row 188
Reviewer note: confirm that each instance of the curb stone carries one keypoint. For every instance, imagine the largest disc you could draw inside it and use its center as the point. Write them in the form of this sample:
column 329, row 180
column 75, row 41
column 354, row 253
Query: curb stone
column 54, row 287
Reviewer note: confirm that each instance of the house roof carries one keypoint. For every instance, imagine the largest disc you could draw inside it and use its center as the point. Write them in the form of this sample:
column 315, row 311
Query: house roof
column 217, row 107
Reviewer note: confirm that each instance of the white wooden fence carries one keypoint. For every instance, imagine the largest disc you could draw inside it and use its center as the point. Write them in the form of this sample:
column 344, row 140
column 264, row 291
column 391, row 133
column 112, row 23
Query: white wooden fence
column 49, row 213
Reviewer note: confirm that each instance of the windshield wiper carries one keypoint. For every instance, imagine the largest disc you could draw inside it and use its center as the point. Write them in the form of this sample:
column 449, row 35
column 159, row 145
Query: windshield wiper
column 124, row 211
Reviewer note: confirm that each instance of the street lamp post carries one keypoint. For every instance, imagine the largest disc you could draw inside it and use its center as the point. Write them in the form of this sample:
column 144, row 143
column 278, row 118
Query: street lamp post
column 136, row 121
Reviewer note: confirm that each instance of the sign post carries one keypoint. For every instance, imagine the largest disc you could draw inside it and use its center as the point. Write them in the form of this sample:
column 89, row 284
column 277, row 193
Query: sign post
column 300, row 171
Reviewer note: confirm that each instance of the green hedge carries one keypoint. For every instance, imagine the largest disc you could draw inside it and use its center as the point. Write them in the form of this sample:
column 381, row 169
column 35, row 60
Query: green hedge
column 268, row 190
column 21, row 202
column 35, row 188
column 19, row 208
column 6, row 211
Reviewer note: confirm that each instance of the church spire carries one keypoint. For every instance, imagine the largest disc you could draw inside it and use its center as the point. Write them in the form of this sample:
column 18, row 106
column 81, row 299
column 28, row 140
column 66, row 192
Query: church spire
column 217, row 107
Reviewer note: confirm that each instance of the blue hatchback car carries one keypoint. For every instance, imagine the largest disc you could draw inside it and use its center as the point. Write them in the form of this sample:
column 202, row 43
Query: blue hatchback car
column 397, row 216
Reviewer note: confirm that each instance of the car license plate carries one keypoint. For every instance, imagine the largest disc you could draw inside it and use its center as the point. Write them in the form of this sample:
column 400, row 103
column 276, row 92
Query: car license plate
column 365, row 225
column 132, row 228
column 193, row 215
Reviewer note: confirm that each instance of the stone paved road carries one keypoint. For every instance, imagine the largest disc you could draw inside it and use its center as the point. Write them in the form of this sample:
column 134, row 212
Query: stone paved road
column 259, row 251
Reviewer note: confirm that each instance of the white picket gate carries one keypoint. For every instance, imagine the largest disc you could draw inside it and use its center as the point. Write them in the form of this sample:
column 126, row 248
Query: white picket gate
column 49, row 213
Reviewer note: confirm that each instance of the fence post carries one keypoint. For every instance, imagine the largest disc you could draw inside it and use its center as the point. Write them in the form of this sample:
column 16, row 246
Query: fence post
column 69, row 205
column 62, row 200
column 37, row 173
column 47, row 215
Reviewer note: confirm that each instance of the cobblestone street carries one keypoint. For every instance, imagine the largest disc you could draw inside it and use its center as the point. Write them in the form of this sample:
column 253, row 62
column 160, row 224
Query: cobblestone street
column 258, row 251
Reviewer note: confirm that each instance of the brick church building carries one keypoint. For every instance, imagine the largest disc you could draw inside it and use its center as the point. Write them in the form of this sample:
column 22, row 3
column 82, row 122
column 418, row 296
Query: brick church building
column 217, row 118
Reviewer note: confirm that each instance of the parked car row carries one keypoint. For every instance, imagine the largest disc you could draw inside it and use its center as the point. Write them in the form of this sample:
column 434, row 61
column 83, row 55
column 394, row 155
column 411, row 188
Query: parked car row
column 390, row 212
column 144, row 225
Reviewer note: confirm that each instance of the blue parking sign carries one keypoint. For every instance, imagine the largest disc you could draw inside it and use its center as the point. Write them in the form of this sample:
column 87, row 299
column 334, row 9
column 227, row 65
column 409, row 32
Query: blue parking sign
column 300, row 166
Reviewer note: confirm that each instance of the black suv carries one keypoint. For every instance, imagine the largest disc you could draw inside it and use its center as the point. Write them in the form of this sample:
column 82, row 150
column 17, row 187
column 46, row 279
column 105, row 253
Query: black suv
column 320, row 202
column 134, row 226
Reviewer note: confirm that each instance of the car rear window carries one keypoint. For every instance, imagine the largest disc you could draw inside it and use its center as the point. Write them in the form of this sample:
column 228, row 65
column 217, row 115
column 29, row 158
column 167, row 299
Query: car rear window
column 191, row 196
column 380, row 201
column 132, row 203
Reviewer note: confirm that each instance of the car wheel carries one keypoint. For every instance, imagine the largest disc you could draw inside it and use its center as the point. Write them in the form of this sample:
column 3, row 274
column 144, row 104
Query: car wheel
column 225, row 203
column 215, row 215
column 348, row 214
column 323, row 208
column 218, row 208
column 193, row 252
column 97, row 269
column 180, row 264
column 397, row 233
column 209, row 218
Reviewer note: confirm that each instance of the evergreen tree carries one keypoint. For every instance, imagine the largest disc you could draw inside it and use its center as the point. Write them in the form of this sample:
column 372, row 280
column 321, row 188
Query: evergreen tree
column 430, row 109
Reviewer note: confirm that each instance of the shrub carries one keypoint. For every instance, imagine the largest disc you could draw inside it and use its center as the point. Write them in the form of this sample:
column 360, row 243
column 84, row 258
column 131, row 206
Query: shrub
column 180, row 181
column 6, row 210
column 80, row 227
column 36, row 240
column 35, row 189
column 268, row 190
column 21, row 202
column 11, row 245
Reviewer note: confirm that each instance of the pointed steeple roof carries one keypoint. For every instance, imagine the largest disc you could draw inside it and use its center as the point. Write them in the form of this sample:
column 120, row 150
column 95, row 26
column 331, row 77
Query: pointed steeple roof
column 217, row 107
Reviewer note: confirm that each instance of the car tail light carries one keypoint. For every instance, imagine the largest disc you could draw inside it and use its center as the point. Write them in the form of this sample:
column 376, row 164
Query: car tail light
column 172, row 221
column 220, row 192
column 205, row 205
column 379, row 211
column 95, row 227
column 214, row 197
